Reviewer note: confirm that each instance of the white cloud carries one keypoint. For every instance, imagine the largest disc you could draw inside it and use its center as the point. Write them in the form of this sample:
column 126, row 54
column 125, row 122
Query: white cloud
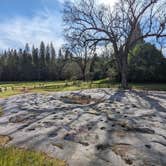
column 108, row 2
column 44, row 26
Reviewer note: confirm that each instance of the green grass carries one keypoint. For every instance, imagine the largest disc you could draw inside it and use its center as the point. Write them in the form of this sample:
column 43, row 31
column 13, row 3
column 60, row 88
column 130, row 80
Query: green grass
column 19, row 157
column 13, row 88
column 1, row 111
column 158, row 87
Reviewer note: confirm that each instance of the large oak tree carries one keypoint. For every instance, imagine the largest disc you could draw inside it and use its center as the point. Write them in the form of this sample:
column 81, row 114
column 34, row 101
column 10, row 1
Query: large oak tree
column 90, row 22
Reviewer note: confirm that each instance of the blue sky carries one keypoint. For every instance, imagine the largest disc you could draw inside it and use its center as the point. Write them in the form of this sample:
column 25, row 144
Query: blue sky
column 30, row 21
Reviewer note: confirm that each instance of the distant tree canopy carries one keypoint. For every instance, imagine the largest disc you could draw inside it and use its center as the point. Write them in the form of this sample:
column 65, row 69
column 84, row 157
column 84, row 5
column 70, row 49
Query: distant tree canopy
column 146, row 63
column 28, row 64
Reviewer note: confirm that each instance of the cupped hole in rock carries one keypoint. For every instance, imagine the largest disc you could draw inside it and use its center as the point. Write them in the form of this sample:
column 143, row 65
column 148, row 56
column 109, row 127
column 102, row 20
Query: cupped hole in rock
column 70, row 137
column 102, row 146
column 17, row 119
column 89, row 127
column 31, row 129
column 134, row 106
column 77, row 99
column 124, row 150
column 142, row 130
column 84, row 143
column 4, row 139
column 129, row 161
column 103, row 128
column 52, row 134
column 48, row 124
column 23, row 126
column 148, row 146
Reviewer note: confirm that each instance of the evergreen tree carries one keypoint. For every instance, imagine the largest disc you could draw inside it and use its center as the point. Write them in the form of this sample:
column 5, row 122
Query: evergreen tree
column 27, row 48
column 42, row 61
column 48, row 55
column 146, row 63
column 53, row 64
column 35, row 58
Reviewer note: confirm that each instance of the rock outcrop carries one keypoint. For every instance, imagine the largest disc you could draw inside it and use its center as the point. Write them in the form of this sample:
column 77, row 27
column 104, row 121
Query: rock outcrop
column 90, row 127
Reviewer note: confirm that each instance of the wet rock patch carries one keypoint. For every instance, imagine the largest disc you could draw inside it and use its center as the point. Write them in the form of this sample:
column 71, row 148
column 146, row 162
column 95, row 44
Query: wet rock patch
column 17, row 119
column 142, row 130
column 148, row 146
column 124, row 151
column 102, row 146
column 48, row 124
column 4, row 139
column 73, row 138
column 54, row 134
column 58, row 145
column 77, row 99
column 70, row 137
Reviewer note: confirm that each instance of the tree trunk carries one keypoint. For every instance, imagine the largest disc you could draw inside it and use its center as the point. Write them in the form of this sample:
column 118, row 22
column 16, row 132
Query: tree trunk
column 124, row 69
column 83, row 76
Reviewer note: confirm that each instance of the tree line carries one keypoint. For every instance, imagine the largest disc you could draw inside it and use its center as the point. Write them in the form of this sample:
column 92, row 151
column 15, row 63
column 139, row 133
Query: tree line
column 42, row 64
column 145, row 64
column 28, row 64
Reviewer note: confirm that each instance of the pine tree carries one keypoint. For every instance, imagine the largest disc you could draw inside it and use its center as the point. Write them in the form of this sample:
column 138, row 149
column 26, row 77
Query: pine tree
column 42, row 61
column 48, row 55
column 53, row 54
column 27, row 48
column 53, row 66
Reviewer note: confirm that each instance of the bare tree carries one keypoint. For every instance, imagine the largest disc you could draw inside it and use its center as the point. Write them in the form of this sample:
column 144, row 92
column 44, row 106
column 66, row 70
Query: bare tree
column 83, row 56
column 117, row 26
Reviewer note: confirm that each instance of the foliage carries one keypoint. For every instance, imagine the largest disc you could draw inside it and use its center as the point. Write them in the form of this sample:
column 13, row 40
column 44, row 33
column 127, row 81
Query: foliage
column 41, row 64
column 29, row 65
column 146, row 64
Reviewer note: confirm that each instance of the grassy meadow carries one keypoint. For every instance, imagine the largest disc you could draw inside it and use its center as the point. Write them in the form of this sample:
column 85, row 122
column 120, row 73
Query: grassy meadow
column 19, row 157
column 12, row 88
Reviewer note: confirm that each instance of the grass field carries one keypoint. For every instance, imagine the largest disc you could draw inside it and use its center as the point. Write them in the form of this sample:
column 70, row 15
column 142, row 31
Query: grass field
column 19, row 157
column 11, row 88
